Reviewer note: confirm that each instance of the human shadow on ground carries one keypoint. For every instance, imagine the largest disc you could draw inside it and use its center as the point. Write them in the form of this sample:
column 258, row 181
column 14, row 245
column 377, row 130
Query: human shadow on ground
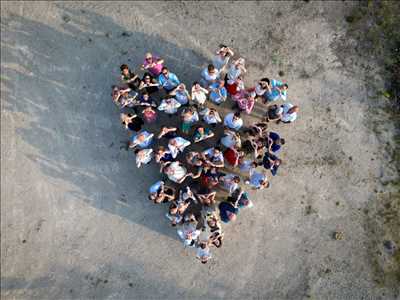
column 61, row 78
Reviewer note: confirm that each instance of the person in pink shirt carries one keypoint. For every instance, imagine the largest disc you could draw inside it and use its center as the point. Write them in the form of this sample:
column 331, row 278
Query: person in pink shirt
column 153, row 64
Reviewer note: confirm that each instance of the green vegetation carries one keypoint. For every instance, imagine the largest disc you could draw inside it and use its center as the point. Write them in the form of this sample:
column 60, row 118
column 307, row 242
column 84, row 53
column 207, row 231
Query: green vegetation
column 376, row 25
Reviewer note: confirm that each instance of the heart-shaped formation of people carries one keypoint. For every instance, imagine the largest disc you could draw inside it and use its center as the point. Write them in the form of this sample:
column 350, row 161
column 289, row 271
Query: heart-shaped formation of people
column 207, row 158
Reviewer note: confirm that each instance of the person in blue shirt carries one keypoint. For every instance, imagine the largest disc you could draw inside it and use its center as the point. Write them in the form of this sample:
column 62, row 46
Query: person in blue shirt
column 218, row 92
column 169, row 81
column 276, row 90
column 227, row 212
column 275, row 142
column 142, row 140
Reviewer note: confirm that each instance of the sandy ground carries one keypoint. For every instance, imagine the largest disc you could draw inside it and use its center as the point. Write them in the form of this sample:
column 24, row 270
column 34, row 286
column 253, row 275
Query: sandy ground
column 75, row 220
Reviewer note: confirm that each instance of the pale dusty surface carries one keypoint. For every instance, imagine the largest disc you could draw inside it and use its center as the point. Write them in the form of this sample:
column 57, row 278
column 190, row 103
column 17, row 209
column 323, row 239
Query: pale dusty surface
column 79, row 203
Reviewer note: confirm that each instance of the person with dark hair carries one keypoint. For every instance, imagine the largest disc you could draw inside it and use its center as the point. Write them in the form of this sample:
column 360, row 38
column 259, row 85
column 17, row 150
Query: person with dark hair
column 201, row 133
column 168, row 80
column 211, row 116
column 274, row 113
column 209, row 75
column 143, row 156
column 275, row 142
column 169, row 105
column 227, row 212
column 149, row 114
column 240, row 199
column 232, row 156
column 132, row 122
column 218, row 92
column 214, row 157
column 129, row 78
column 203, row 252
column 148, row 84
column 233, row 121
column 220, row 61
column 229, row 182
column 276, row 90
column 271, row 162
column 161, row 193
column 262, row 87
column 163, row 156
column 206, row 196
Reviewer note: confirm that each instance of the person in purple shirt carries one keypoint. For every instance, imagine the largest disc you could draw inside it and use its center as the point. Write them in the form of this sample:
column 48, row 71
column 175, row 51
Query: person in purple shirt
column 153, row 64
column 169, row 81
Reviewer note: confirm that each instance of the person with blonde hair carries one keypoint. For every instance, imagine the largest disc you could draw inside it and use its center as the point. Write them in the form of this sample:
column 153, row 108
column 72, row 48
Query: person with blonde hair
column 153, row 64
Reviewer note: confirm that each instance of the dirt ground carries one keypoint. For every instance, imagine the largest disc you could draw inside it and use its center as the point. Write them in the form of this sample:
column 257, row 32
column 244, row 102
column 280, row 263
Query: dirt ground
column 75, row 220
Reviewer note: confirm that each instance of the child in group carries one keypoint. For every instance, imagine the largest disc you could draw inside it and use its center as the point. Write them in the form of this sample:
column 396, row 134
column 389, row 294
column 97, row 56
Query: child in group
column 169, row 105
column 143, row 156
column 211, row 116
column 189, row 117
column 218, row 92
column 153, row 64
column 181, row 94
column 129, row 78
column 209, row 76
column 201, row 133
column 199, row 95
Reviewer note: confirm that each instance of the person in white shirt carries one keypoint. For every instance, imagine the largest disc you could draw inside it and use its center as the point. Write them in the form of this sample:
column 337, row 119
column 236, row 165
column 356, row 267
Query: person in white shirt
column 211, row 116
column 289, row 113
column 209, row 75
column 203, row 253
column 233, row 121
column 176, row 172
column 177, row 145
column 169, row 106
column 143, row 156
column 189, row 234
column 199, row 94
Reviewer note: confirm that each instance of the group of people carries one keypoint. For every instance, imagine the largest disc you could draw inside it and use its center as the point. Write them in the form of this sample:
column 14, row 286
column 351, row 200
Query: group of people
column 207, row 159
